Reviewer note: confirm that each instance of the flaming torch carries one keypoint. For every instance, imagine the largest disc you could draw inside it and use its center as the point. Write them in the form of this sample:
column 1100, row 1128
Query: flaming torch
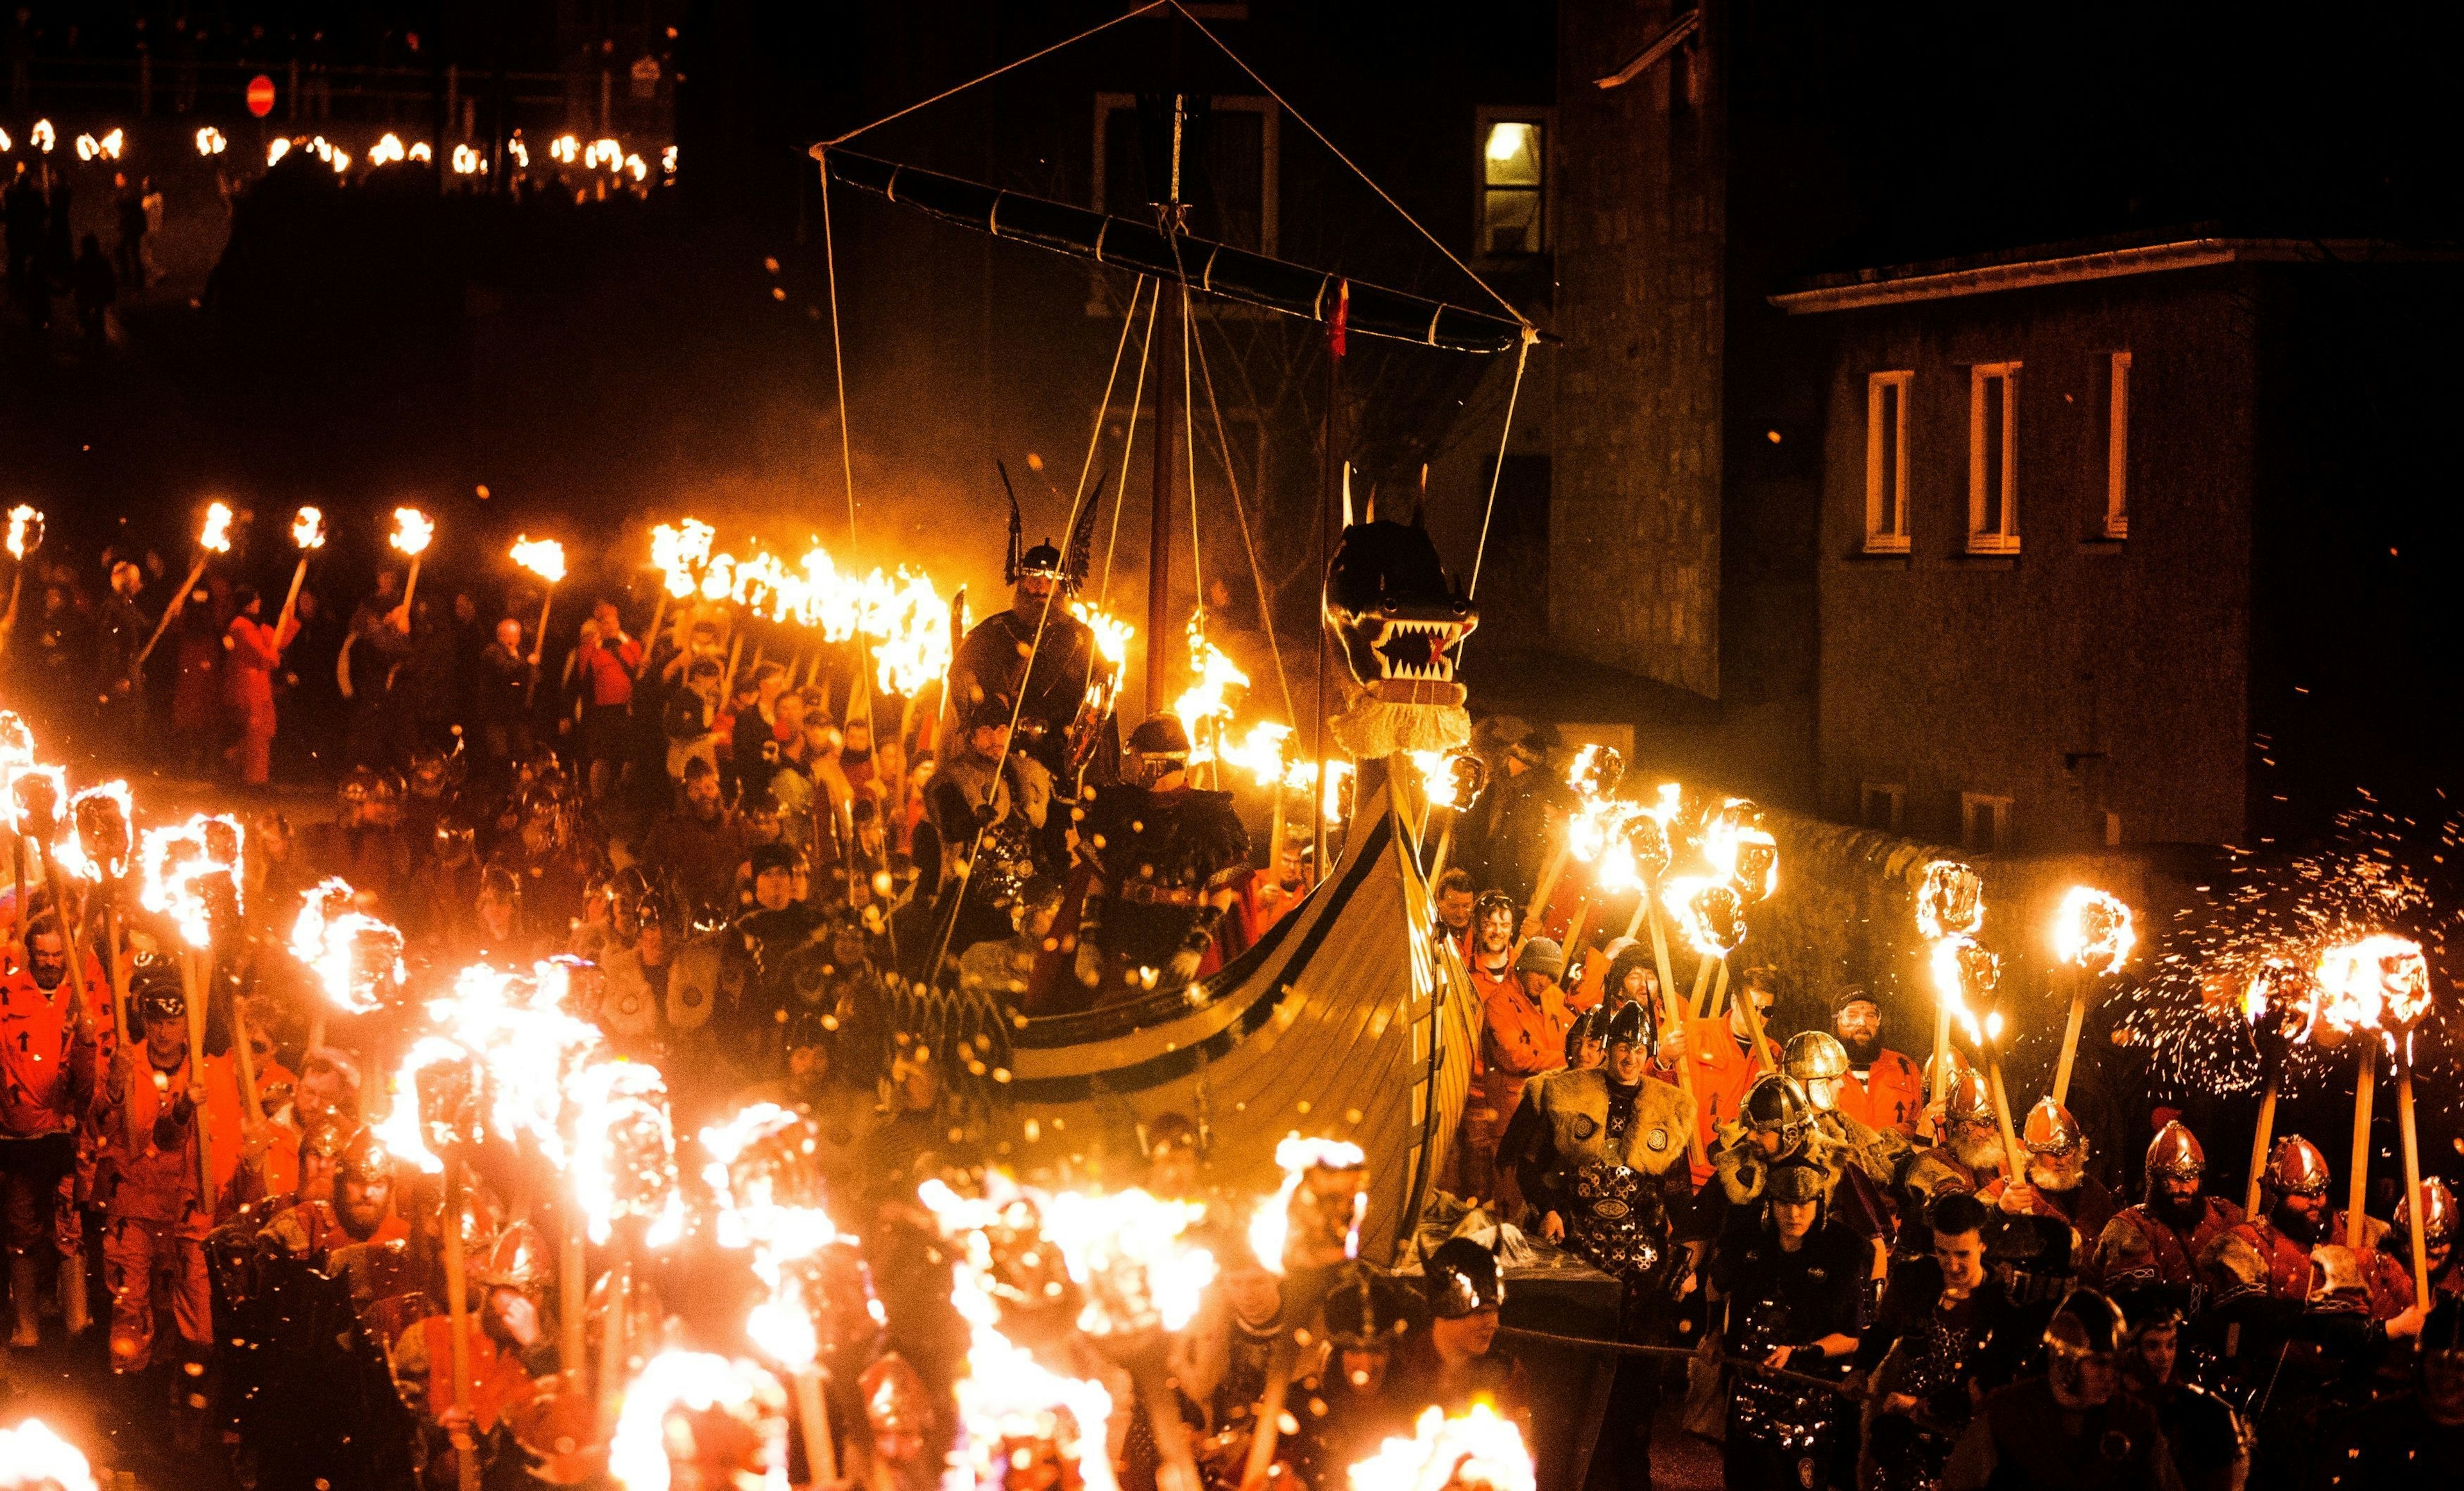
column 178, row 862
column 1456, row 785
column 39, row 798
column 725, row 1420
column 768, row 1187
column 214, row 537
column 2286, row 993
column 1966, row 975
column 25, row 536
column 1950, row 903
column 2378, row 988
column 545, row 559
column 1141, row 1282
column 624, row 1180
column 1593, row 774
column 308, row 531
column 412, row 529
column 2092, row 937
column 1309, row 1229
column 101, row 838
column 678, row 554
column 357, row 959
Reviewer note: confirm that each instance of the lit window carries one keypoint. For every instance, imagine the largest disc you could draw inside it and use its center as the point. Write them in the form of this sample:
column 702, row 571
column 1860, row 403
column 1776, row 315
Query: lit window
column 1886, row 462
column 1513, row 187
column 1993, row 459
column 1983, row 822
column 2116, row 451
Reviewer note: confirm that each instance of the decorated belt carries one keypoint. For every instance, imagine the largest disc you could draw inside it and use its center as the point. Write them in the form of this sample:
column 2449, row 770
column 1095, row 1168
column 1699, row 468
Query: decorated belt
column 1146, row 893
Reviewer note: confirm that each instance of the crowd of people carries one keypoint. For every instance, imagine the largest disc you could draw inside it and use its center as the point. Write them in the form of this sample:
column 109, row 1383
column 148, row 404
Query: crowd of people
column 773, row 894
column 1870, row 1294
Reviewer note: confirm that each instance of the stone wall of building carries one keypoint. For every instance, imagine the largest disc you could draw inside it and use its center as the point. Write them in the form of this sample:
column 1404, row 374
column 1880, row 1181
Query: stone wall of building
column 1634, row 528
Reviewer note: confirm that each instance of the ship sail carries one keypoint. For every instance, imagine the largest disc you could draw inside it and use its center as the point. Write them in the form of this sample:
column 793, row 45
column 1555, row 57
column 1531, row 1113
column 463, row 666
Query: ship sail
column 1218, row 269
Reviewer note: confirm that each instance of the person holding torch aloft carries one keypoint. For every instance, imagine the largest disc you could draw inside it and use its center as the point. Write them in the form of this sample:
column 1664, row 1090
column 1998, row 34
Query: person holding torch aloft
column 156, row 1219
column 252, row 650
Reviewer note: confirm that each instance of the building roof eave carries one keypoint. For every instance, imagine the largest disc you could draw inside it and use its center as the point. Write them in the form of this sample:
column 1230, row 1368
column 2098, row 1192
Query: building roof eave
column 1900, row 285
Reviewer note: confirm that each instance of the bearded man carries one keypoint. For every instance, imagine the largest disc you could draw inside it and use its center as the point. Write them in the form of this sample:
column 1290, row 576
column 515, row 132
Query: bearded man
column 2057, row 1185
column 2271, row 1254
column 1969, row 1158
column 1883, row 1089
column 2159, row 1242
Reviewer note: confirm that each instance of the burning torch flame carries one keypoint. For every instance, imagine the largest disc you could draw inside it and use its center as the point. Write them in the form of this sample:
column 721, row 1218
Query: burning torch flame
column 1208, row 701
column 531, row 1049
column 467, row 161
column 211, row 140
column 403, row 1131
column 1479, row 1449
column 1741, row 850
column 2380, row 983
column 1271, row 1228
column 1962, row 968
column 913, row 625
column 2092, row 930
column 1126, row 1250
column 542, row 557
column 215, row 536
column 411, row 531
column 1951, row 902
column 387, row 151
column 177, row 859
column 308, row 529
column 106, row 804
column 351, row 953
column 1708, row 913
column 37, row 796
column 24, row 531
column 33, row 1458
column 637, row 1452
column 680, row 552
column 624, row 1153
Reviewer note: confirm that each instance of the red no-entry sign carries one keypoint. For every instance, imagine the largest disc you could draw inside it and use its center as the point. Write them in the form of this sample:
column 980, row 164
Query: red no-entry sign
column 260, row 95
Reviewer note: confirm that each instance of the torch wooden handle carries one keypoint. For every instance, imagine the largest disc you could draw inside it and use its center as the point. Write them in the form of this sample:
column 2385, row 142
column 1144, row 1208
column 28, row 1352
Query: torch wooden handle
column 2358, row 1188
column 291, row 601
column 168, row 612
column 2012, row 1153
column 2258, row 1149
column 2081, row 986
column 457, row 1302
column 2417, row 1212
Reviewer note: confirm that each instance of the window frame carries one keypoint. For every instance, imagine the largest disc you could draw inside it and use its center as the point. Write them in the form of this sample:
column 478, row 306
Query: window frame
column 2005, row 538
column 1880, row 540
column 1484, row 118
column 2116, row 446
column 1892, row 793
column 1270, row 172
column 1996, row 809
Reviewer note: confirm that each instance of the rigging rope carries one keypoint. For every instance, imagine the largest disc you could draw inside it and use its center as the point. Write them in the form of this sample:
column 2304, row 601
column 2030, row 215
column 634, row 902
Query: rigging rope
column 1130, row 441
column 1382, row 195
column 1096, row 436
column 1239, row 510
column 1497, row 471
column 1127, row 15
column 1189, row 442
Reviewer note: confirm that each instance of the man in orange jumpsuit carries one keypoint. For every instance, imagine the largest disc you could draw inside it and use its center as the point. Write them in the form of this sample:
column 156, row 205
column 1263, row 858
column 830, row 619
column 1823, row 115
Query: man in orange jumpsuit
column 1491, row 969
column 1522, row 1033
column 155, row 1221
column 253, row 651
column 1883, row 1089
column 46, row 1074
column 1722, row 1062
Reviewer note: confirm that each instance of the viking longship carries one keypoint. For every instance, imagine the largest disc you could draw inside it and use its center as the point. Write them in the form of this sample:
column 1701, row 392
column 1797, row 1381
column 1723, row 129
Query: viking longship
column 1349, row 1019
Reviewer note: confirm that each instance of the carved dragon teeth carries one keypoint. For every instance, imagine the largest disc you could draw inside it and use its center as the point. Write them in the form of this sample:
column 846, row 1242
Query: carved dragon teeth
column 1443, row 635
